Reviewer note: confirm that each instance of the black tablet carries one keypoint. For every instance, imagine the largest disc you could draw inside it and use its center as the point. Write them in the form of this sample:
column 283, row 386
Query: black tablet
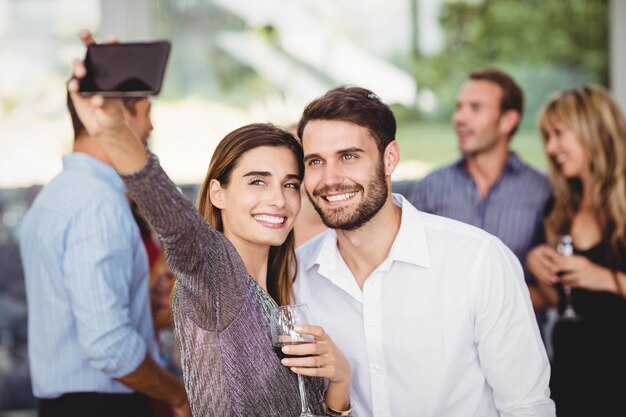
column 125, row 69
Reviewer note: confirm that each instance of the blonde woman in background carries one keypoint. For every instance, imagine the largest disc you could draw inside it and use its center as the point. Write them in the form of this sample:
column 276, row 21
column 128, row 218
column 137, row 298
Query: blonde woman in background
column 584, row 134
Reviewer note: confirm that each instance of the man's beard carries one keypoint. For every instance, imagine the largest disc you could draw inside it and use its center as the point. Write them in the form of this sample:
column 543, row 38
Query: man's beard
column 343, row 218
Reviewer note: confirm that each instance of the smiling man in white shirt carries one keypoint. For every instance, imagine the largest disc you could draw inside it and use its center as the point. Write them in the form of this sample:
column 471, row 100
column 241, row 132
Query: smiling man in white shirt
column 433, row 314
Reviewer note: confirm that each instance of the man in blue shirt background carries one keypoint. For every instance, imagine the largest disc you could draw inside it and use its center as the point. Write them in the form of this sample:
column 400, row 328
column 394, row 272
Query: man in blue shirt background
column 92, row 346
column 489, row 186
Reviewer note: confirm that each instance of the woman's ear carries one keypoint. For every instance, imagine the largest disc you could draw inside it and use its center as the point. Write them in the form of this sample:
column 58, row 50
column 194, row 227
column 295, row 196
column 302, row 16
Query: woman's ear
column 216, row 194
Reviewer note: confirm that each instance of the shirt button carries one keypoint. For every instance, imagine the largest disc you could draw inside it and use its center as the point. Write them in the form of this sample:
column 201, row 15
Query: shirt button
column 372, row 323
column 378, row 368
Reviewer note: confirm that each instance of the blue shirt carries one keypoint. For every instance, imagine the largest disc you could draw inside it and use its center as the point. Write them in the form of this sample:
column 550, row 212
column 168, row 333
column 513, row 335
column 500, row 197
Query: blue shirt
column 512, row 210
column 86, row 274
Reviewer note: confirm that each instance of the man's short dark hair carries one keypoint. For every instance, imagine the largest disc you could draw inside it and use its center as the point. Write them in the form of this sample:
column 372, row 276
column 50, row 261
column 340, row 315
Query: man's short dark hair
column 355, row 105
column 512, row 94
column 130, row 104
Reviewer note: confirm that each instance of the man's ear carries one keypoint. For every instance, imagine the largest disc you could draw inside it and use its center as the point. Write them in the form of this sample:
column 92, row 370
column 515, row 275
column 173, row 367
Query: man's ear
column 508, row 120
column 216, row 194
column 391, row 157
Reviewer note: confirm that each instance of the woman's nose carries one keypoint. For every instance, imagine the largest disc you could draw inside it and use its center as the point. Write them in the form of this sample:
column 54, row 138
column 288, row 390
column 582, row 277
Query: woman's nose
column 552, row 145
column 277, row 199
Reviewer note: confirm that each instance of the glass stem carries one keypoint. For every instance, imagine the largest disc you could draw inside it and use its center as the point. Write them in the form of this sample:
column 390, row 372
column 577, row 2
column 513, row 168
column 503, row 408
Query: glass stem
column 303, row 399
column 568, row 297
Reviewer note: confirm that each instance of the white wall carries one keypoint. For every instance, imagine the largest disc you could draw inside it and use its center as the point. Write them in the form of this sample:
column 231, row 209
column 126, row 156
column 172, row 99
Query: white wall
column 617, row 52
column 128, row 20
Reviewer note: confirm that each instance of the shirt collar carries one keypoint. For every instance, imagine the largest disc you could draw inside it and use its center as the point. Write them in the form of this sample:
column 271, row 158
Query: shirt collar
column 410, row 245
column 82, row 161
column 513, row 164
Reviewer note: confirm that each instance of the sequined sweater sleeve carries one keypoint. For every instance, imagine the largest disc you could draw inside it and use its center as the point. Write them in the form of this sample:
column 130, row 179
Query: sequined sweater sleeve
column 207, row 266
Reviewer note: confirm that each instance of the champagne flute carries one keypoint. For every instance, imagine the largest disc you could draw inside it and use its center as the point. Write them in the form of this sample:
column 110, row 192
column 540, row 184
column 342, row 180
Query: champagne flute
column 566, row 248
column 285, row 319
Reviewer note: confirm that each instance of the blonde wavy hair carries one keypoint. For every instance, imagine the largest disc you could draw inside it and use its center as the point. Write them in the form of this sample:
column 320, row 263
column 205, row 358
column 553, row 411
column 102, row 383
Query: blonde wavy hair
column 595, row 119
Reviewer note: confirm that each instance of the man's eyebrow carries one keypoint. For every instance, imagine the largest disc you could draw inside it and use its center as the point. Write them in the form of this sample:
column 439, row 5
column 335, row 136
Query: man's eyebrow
column 353, row 149
column 311, row 156
column 476, row 101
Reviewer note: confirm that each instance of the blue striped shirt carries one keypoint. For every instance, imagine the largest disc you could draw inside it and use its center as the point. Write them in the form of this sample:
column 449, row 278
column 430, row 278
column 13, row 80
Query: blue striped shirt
column 512, row 210
column 86, row 274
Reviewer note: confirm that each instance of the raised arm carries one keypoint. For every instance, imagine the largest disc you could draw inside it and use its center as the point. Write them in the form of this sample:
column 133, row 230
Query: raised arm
column 208, row 267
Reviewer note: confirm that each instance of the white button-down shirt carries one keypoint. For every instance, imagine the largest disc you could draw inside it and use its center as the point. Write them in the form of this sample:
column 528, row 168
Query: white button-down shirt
column 443, row 326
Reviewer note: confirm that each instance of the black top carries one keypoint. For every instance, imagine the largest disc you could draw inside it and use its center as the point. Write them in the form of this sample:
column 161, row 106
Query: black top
column 589, row 366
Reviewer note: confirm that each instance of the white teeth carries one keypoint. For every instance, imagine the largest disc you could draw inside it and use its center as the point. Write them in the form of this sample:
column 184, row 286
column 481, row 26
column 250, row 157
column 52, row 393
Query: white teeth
column 561, row 158
column 340, row 197
column 270, row 219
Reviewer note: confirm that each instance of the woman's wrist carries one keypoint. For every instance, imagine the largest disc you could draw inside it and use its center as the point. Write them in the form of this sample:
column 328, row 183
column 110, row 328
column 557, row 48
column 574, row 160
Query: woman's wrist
column 128, row 155
column 337, row 397
column 339, row 413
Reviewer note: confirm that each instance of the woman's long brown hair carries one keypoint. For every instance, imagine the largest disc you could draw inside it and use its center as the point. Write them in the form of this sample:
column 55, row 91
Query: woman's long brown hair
column 282, row 267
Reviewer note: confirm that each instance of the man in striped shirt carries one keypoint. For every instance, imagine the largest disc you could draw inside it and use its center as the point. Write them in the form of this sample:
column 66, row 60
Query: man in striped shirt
column 92, row 348
column 489, row 186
